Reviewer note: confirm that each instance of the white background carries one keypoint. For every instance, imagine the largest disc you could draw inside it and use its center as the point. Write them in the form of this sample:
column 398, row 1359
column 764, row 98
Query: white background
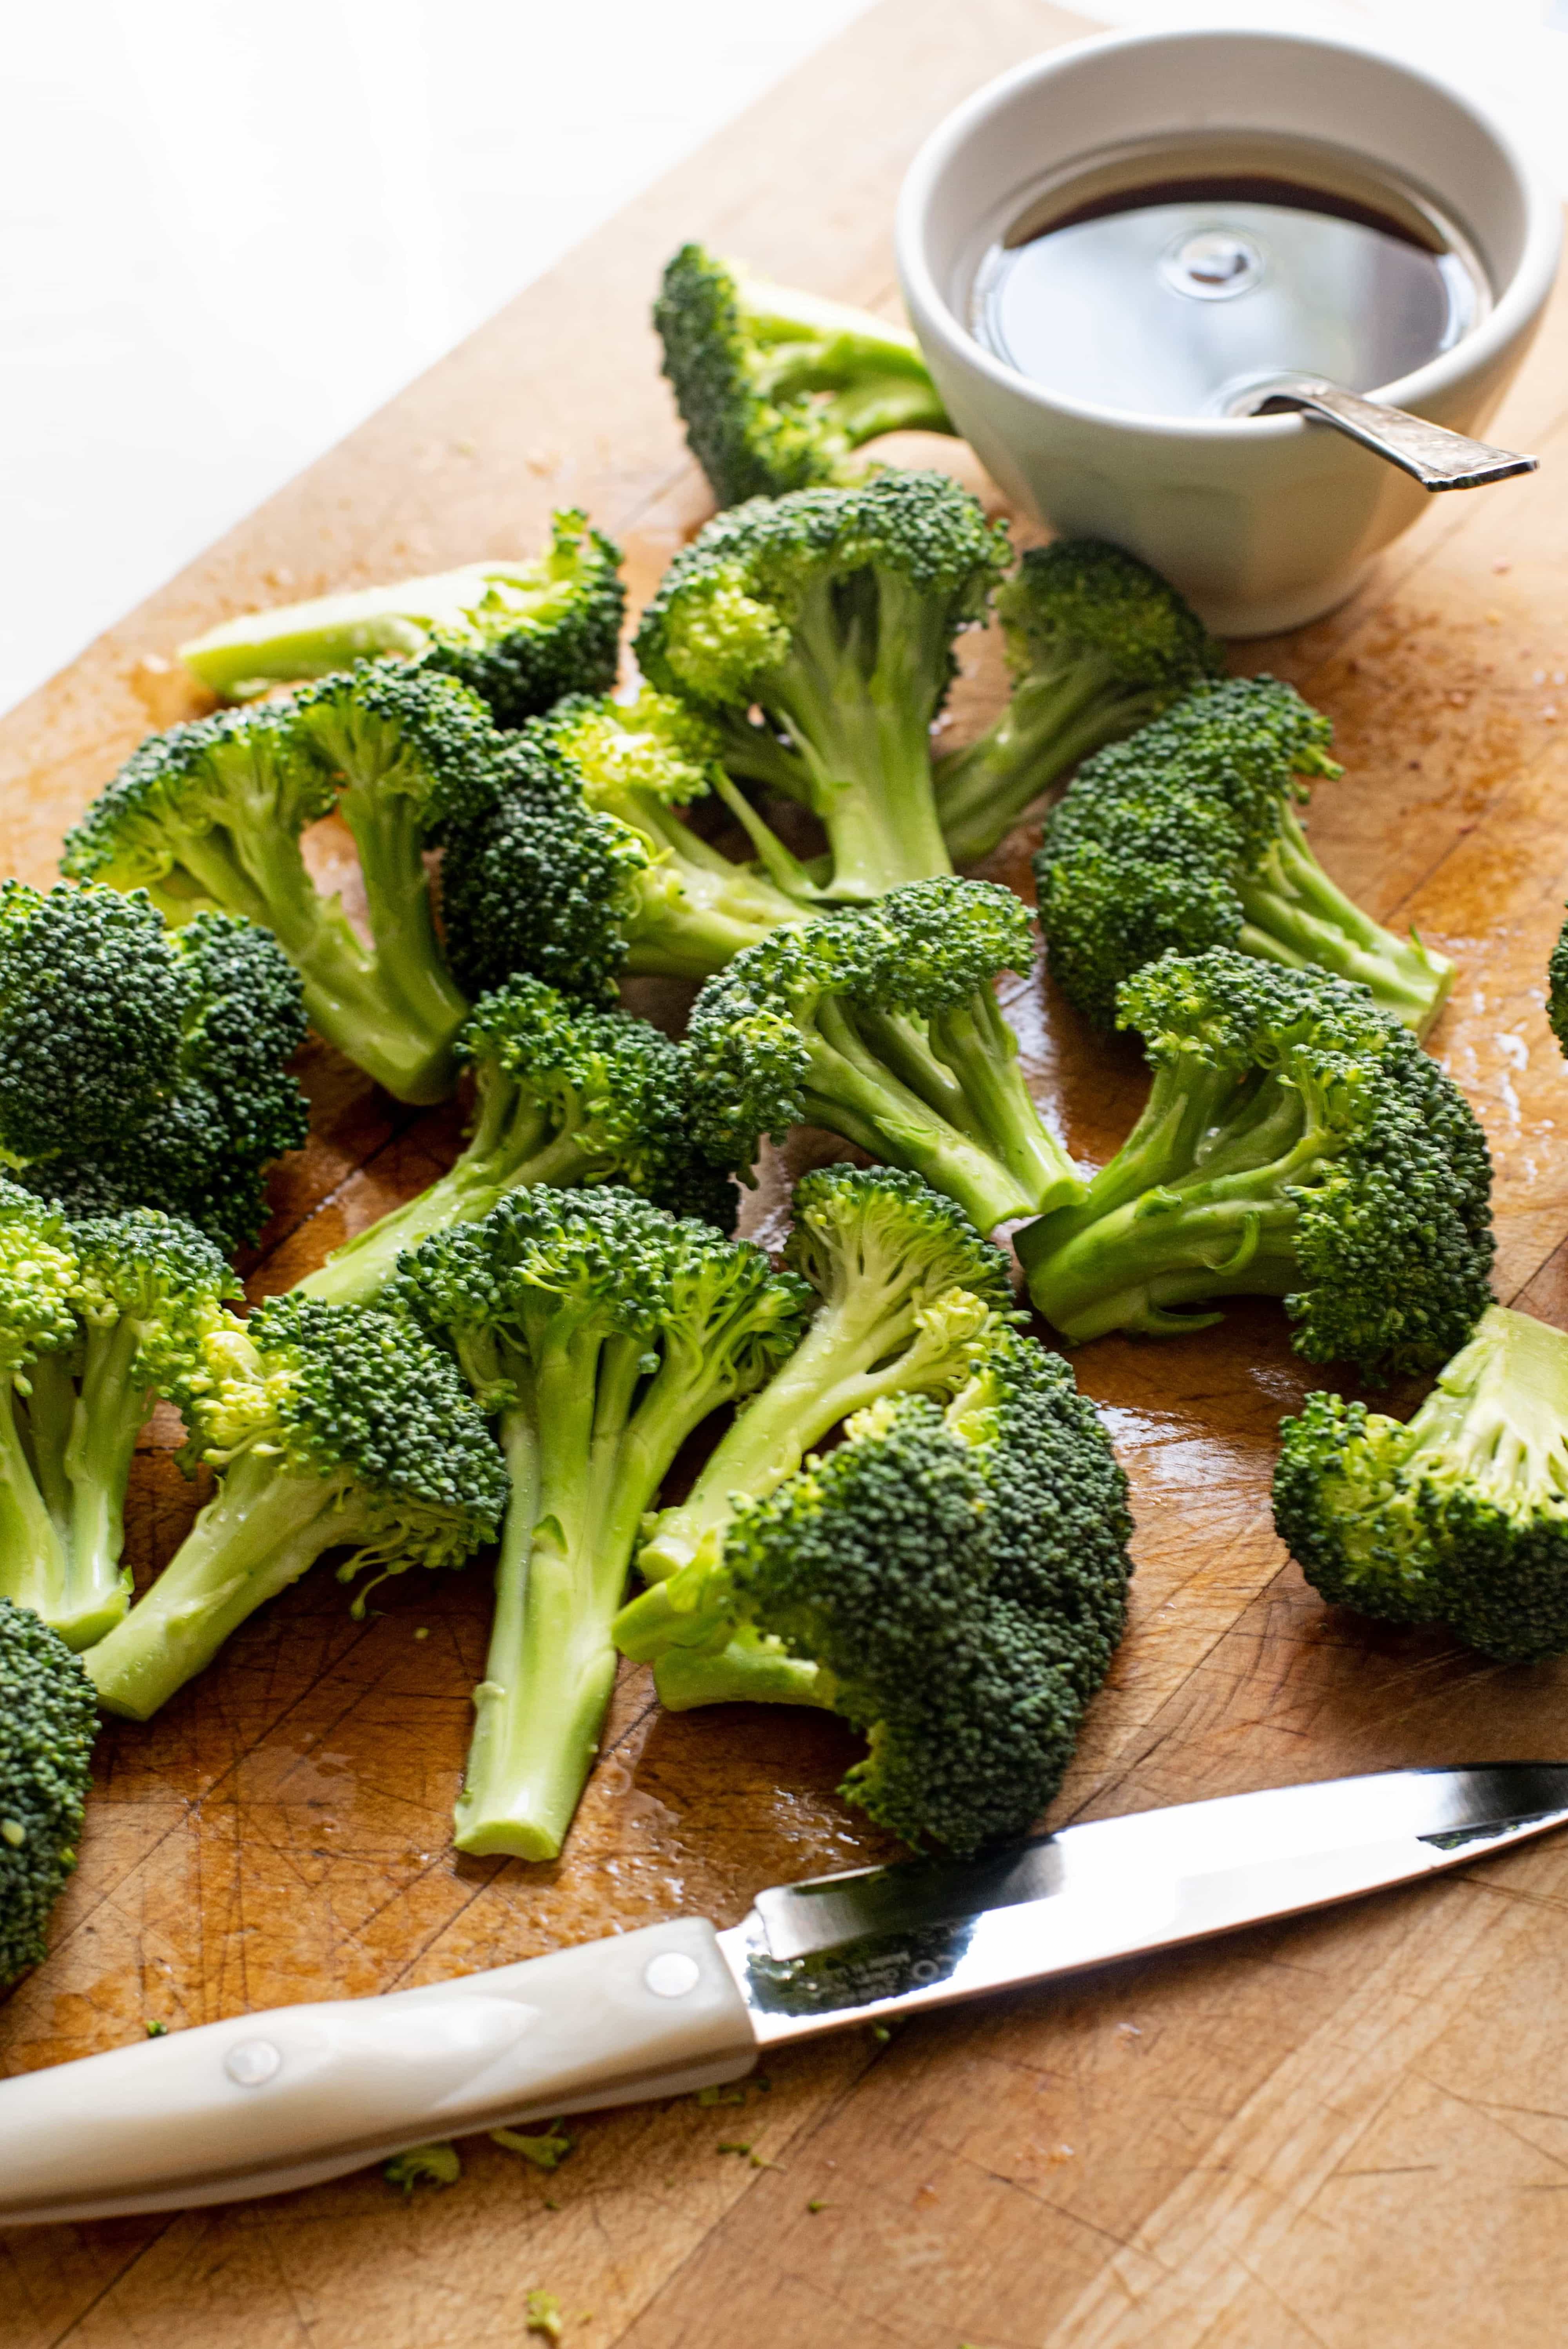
column 229, row 232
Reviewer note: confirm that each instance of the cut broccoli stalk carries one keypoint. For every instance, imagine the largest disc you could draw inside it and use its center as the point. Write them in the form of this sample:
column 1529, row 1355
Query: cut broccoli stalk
column 563, row 1096
column 1097, row 645
column 212, row 814
column 1459, row 1517
column 261, row 1531
column 882, row 1025
column 832, row 612
column 334, row 1429
column 605, row 1332
column 776, row 389
column 521, row 633
column 905, row 1284
column 1296, row 1143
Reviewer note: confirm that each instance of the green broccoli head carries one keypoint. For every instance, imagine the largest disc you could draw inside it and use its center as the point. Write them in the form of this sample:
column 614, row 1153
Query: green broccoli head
column 958, row 1581
column 881, row 1231
column 402, row 740
column 1097, row 645
column 1186, row 836
column 599, row 1096
column 1557, row 988
column 335, row 1428
column 48, row 1720
column 210, row 816
column 521, row 633
column 1459, row 1517
column 144, row 1066
column 776, row 389
column 1297, row 1143
column 99, row 1317
column 340, row 1394
column 832, row 612
column 881, row 1025
column 38, row 1273
column 541, row 883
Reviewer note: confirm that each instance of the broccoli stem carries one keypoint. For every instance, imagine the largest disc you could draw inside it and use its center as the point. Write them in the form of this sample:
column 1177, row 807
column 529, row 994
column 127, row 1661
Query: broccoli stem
column 348, row 998
column 260, row 1531
column 552, row 1662
column 1295, row 916
column 388, row 835
column 32, row 1554
column 690, row 924
column 109, row 1406
column 856, row 1350
column 867, row 668
column 965, row 1124
column 752, row 1670
column 1196, row 1205
column 513, row 1145
column 1054, row 717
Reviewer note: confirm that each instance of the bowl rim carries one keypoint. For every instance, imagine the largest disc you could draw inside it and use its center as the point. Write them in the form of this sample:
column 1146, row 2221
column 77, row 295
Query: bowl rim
column 1513, row 312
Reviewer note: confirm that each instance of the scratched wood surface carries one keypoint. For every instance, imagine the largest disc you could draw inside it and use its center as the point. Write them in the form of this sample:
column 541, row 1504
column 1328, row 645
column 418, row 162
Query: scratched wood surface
column 1336, row 2129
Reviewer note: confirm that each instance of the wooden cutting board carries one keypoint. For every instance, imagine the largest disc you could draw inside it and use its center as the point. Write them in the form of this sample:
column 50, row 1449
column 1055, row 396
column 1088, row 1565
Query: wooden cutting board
column 1347, row 2128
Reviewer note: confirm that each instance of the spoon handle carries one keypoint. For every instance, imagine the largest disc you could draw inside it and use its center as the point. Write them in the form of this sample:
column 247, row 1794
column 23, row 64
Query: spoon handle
column 1438, row 459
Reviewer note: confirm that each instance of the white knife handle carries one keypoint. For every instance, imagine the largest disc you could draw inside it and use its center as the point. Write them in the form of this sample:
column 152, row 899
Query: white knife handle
column 271, row 2101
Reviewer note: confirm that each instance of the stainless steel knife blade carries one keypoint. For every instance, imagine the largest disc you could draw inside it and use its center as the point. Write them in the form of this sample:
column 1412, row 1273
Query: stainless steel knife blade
column 885, row 1941
column 261, row 2103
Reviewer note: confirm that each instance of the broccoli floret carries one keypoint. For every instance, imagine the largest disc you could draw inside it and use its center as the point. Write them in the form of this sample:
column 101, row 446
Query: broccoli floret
column 98, row 1319
column 49, row 1720
column 541, row 881
column 833, row 614
column 210, row 815
column 1297, row 1143
column 335, row 1428
column 953, row 1583
column 776, row 389
column 905, row 1285
column 1459, row 1517
column 881, row 1025
column 563, row 1095
column 439, row 2164
column 603, row 1332
column 142, row 1066
column 1097, row 644
column 1187, row 837
column 638, row 762
column 519, row 634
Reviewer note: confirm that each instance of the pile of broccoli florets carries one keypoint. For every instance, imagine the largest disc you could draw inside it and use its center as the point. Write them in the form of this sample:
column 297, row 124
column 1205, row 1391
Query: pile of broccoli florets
column 843, row 1474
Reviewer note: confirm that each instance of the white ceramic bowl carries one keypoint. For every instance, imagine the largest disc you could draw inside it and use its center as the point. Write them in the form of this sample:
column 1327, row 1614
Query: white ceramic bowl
column 1264, row 522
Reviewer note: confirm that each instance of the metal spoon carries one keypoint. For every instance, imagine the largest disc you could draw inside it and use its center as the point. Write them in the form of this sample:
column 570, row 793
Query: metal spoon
column 1438, row 459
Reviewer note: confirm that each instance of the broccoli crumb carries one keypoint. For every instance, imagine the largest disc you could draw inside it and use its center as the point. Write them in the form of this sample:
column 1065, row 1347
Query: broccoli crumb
column 423, row 2165
column 547, row 2151
column 156, row 2030
column 542, row 2312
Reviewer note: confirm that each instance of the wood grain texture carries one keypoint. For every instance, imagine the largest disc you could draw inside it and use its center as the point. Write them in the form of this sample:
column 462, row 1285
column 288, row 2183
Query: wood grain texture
column 1344, row 2128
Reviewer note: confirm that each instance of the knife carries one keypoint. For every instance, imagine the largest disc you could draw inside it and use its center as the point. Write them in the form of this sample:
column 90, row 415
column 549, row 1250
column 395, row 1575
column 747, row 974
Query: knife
column 268, row 2102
